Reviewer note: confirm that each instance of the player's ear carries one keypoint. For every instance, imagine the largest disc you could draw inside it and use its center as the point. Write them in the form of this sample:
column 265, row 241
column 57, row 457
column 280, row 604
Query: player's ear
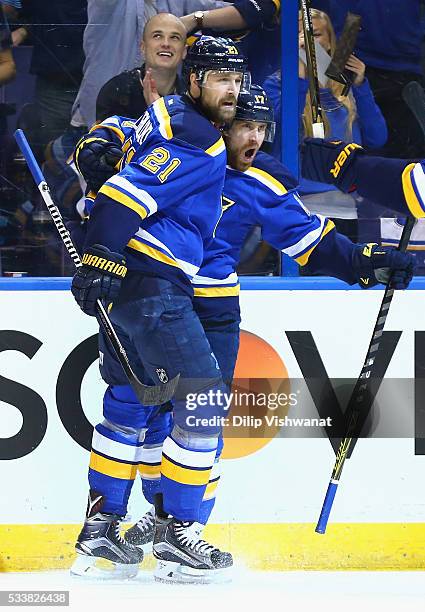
column 194, row 89
column 143, row 47
column 184, row 52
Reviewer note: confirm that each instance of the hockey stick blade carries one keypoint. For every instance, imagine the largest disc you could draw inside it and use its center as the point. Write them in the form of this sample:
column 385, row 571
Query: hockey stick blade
column 414, row 96
column 355, row 416
column 146, row 394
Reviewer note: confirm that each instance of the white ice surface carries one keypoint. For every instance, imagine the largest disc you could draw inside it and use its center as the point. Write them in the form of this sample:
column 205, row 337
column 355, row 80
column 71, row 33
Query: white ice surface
column 249, row 590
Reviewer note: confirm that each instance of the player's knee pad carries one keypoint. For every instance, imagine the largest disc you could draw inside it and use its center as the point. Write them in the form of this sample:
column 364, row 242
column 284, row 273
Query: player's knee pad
column 129, row 433
column 194, row 441
column 121, row 406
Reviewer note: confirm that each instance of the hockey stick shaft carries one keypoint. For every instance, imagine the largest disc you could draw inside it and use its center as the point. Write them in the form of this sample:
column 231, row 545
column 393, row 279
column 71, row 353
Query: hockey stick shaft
column 361, row 391
column 313, row 80
column 147, row 395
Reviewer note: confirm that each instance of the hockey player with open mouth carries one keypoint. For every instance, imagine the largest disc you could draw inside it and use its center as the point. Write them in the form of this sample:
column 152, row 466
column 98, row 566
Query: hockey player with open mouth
column 257, row 190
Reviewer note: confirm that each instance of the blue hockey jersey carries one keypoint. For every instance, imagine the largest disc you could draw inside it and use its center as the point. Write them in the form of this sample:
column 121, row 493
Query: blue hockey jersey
column 263, row 195
column 166, row 199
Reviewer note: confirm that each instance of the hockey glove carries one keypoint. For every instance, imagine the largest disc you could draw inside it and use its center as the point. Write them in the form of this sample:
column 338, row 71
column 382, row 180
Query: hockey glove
column 99, row 277
column 374, row 264
column 330, row 161
column 96, row 159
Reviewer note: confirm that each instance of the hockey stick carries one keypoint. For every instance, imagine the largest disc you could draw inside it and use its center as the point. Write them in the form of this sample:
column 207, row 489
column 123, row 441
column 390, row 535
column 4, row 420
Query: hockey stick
column 313, row 81
column 344, row 48
column 414, row 96
column 361, row 392
column 146, row 394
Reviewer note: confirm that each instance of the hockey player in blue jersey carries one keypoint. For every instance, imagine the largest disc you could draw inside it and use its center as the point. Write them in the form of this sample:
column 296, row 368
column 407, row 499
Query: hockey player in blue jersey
column 152, row 218
column 257, row 190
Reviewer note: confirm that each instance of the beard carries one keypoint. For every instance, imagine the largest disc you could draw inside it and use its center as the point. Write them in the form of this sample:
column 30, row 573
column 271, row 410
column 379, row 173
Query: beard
column 218, row 113
column 234, row 158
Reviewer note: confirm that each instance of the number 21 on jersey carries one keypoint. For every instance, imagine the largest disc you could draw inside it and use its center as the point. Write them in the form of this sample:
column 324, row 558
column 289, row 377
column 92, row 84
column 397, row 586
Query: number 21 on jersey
column 158, row 162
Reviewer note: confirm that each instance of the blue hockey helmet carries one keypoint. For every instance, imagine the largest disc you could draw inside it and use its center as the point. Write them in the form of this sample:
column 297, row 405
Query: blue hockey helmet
column 218, row 54
column 255, row 106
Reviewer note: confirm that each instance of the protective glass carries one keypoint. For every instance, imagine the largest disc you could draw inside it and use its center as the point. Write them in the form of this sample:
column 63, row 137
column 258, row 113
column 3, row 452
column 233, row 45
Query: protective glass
column 209, row 83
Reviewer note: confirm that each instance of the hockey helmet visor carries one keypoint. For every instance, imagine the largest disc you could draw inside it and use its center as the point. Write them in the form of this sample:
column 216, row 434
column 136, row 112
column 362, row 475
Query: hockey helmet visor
column 255, row 106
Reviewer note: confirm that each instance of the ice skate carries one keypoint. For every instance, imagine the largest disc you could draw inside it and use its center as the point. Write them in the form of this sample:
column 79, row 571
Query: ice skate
column 101, row 551
column 183, row 557
column 141, row 534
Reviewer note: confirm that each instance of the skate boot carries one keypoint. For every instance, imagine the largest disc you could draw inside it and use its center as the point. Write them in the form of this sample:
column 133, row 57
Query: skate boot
column 183, row 557
column 101, row 551
column 141, row 534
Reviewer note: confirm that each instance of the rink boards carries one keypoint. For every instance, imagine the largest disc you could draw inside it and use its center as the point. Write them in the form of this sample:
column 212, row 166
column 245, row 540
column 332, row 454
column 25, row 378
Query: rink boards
column 272, row 487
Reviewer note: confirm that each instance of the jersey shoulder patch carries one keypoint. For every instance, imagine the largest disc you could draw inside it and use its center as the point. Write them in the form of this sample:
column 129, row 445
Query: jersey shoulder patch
column 178, row 118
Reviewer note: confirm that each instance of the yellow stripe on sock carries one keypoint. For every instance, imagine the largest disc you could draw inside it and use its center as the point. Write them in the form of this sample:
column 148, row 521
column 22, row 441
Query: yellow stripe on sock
column 116, row 469
column 184, row 475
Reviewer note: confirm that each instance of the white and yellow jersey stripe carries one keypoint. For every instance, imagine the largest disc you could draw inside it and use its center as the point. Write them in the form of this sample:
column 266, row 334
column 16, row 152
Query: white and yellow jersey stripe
column 413, row 179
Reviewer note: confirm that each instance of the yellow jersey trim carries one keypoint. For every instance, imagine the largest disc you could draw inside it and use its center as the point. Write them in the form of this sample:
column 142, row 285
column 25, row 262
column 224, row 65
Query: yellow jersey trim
column 303, row 259
column 210, row 490
column 152, row 252
column 214, row 292
column 115, row 469
column 190, row 40
column 166, row 119
column 184, row 475
column 124, row 199
column 412, row 201
column 217, row 148
column 150, row 471
column 264, row 177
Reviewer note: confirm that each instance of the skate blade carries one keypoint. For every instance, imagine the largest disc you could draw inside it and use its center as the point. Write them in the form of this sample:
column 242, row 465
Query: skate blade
column 85, row 566
column 175, row 573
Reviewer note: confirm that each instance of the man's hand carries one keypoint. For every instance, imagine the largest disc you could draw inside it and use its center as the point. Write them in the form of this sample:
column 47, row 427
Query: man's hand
column 330, row 161
column 150, row 91
column 18, row 36
column 99, row 278
column 96, row 160
column 375, row 264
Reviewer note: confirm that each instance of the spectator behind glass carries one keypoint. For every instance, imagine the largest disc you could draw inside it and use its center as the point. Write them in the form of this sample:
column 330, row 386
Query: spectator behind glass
column 355, row 118
column 253, row 25
column 7, row 63
column 55, row 30
column 129, row 93
column 112, row 43
column 390, row 44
